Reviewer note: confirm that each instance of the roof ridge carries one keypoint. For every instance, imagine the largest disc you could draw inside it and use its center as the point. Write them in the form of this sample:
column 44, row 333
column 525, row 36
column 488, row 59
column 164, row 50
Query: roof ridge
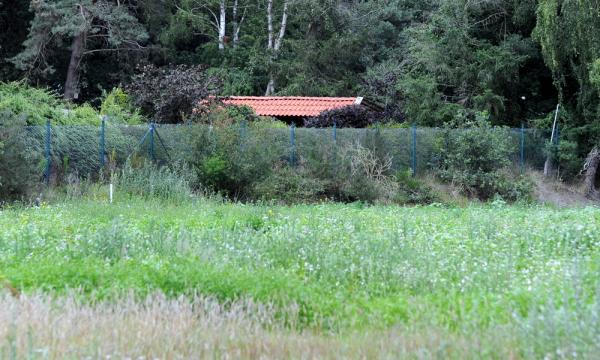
column 302, row 106
column 321, row 98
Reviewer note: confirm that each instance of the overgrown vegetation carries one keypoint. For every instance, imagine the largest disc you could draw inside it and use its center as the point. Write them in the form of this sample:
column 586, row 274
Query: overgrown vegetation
column 528, row 277
column 36, row 106
column 243, row 157
column 477, row 159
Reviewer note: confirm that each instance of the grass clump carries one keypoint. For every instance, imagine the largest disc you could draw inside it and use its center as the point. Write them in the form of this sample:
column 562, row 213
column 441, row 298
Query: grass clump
column 150, row 181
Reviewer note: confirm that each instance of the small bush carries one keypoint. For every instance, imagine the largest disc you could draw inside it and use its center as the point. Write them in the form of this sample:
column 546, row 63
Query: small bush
column 367, row 176
column 215, row 173
column 37, row 106
column 289, row 185
column 565, row 157
column 230, row 161
column 219, row 115
column 118, row 107
column 413, row 191
column 21, row 162
column 477, row 160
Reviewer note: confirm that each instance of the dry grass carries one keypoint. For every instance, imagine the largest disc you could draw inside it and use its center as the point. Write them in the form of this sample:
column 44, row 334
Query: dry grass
column 41, row 326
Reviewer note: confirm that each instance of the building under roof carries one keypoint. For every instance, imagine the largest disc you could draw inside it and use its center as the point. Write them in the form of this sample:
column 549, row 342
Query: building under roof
column 293, row 107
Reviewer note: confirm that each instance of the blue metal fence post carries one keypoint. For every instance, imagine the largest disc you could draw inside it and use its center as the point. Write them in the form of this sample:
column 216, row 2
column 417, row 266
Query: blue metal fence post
column 102, row 141
column 293, row 145
column 48, row 152
column 151, row 147
column 522, row 156
column 414, row 150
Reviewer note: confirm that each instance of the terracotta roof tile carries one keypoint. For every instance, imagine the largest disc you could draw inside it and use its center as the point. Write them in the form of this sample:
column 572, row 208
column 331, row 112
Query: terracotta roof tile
column 291, row 105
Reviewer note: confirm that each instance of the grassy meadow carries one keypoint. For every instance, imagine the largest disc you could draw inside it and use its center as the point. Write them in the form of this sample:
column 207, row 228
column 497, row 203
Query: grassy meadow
column 203, row 278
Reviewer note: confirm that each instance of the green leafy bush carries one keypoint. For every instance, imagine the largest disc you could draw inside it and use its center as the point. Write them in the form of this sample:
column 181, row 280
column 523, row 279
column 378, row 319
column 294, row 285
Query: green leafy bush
column 214, row 172
column 21, row 162
column 37, row 106
column 289, row 186
column 217, row 114
column 230, row 160
column 595, row 74
column 477, row 160
column 412, row 190
column 117, row 105
column 565, row 156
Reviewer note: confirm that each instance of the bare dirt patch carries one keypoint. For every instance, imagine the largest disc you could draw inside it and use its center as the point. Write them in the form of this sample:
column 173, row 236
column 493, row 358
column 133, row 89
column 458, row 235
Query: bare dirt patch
column 557, row 193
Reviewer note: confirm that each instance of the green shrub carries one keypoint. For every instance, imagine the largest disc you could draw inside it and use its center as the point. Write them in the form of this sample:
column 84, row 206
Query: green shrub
column 412, row 190
column 36, row 105
column 477, row 160
column 117, row 105
column 21, row 162
column 215, row 173
column 595, row 74
column 231, row 161
column 268, row 123
column 289, row 186
column 564, row 154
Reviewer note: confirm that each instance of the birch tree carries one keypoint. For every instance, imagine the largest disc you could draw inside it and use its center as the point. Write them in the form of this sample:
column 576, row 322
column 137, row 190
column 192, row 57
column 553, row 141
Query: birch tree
column 214, row 17
column 274, row 41
column 237, row 21
column 90, row 26
column 206, row 16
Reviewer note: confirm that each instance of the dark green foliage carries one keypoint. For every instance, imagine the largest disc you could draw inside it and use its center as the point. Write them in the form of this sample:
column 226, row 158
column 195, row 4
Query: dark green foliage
column 564, row 31
column 21, row 161
column 14, row 21
column 477, row 160
column 469, row 57
column 413, row 190
column 290, row 186
column 65, row 32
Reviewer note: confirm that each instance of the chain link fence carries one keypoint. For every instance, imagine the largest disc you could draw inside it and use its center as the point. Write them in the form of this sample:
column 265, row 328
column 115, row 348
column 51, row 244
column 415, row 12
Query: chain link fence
column 83, row 151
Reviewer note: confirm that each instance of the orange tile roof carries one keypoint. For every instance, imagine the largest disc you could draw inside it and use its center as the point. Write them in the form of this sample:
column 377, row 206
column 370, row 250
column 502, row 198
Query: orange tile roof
column 291, row 105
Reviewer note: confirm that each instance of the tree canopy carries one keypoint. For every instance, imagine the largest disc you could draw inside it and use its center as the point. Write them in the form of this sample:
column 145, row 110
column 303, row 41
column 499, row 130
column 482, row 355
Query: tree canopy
column 428, row 62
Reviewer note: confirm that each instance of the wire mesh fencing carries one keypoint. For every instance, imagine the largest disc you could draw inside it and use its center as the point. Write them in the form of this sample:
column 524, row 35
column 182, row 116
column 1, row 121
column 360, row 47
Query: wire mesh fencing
column 62, row 151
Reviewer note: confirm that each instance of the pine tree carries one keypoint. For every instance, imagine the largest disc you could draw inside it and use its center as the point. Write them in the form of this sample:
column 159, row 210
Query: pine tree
column 89, row 26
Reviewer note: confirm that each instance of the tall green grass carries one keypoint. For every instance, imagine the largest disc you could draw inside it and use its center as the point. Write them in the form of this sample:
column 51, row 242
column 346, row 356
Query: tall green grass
column 529, row 272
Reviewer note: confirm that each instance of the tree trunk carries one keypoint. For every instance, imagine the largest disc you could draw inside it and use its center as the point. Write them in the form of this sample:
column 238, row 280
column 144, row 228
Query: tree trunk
column 72, row 82
column 282, row 28
column 237, row 22
column 236, row 26
column 591, row 169
column 270, row 25
column 274, row 45
column 547, row 166
column 270, row 86
column 222, row 24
